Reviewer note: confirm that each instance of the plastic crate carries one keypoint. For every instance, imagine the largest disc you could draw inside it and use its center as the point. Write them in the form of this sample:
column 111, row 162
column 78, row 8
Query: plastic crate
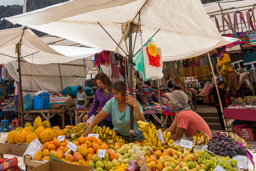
column 246, row 133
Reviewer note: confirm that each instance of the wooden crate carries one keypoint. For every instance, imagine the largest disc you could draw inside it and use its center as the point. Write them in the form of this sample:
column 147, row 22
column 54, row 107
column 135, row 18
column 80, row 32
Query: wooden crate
column 30, row 164
column 13, row 149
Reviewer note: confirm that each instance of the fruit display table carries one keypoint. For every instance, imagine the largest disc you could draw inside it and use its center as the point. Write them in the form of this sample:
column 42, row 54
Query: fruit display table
column 30, row 164
column 240, row 114
column 14, row 149
column 48, row 114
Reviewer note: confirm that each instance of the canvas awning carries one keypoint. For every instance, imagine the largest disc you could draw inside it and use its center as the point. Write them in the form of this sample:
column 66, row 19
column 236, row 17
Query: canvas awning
column 181, row 28
column 34, row 50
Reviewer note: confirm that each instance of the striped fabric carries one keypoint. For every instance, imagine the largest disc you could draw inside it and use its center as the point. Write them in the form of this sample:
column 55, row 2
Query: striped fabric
column 9, row 164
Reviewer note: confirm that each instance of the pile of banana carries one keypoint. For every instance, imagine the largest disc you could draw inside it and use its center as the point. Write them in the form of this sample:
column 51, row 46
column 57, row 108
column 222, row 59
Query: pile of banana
column 200, row 138
column 151, row 139
column 78, row 130
column 106, row 134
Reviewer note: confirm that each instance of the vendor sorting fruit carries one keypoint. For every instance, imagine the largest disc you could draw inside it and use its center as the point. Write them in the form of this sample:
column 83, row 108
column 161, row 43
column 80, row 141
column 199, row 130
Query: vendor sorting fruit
column 186, row 121
column 120, row 111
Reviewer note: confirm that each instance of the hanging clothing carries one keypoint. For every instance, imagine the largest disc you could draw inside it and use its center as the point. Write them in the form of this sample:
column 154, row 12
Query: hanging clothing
column 102, row 58
column 249, row 59
column 232, row 81
column 244, row 79
column 224, row 64
column 107, row 70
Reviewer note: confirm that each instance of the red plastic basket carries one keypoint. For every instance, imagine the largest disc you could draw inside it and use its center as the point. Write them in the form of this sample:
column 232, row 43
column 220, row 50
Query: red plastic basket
column 246, row 133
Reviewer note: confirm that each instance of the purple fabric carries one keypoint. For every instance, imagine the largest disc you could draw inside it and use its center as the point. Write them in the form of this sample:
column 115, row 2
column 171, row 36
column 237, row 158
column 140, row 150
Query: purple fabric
column 249, row 155
column 100, row 100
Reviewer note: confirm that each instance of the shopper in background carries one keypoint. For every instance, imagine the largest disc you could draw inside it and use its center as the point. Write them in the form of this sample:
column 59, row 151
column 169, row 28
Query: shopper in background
column 223, row 97
column 102, row 95
column 186, row 121
column 171, row 83
column 81, row 98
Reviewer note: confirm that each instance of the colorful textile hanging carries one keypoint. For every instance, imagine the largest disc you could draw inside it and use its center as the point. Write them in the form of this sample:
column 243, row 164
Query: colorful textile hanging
column 153, row 56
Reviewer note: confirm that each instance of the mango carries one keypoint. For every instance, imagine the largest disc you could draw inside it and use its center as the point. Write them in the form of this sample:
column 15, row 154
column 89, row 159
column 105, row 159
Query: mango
column 45, row 158
column 77, row 156
column 38, row 155
column 46, row 152
column 69, row 158
column 83, row 163
column 83, row 151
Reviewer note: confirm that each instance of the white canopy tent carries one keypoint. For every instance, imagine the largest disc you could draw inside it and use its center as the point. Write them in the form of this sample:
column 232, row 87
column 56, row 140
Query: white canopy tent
column 50, row 77
column 181, row 28
column 230, row 6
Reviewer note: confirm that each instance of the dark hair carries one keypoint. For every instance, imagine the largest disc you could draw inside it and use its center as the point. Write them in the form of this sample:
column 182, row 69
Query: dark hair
column 79, row 88
column 121, row 87
column 103, row 78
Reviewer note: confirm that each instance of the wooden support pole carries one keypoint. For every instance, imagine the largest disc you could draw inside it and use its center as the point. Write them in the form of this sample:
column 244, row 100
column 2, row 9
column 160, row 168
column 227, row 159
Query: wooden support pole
column 252, row 85
column 130, row 81
column 217, row 89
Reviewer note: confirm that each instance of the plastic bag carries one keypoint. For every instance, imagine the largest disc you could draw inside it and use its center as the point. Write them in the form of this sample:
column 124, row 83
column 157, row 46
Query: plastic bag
column 132, row 166
column 140, row 159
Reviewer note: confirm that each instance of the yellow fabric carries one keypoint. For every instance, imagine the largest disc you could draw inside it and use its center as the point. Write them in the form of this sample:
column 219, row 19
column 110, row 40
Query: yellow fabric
column 224, row 60
column 224, row 64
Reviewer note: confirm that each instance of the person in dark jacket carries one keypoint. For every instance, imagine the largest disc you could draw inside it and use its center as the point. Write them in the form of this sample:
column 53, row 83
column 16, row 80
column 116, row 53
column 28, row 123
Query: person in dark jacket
column 223, row 97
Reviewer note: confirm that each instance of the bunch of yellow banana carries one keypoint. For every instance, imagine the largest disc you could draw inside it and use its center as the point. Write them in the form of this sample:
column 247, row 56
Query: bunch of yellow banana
column 106, row 134
column 151, row 139
column 200, row 138
column 78, row 130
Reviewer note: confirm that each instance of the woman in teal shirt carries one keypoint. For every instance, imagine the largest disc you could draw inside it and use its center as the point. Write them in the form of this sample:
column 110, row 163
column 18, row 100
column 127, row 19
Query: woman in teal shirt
column 120, row 110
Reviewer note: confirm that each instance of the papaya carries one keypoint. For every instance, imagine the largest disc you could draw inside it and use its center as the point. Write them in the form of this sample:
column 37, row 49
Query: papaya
column 20, row 137
column 55, row 133
column 11, row 137
column 29, row 129
column 39, row 130
column 31, row 137
column 57, row 128
column 37, row 122
column 27, row 124
column 19, row 129
column 46, row 124
column 45, row 136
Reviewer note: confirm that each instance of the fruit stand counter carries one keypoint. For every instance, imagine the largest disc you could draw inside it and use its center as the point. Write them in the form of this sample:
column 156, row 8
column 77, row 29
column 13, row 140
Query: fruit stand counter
column 30, row 164
column 14, row 149
column 48, row 114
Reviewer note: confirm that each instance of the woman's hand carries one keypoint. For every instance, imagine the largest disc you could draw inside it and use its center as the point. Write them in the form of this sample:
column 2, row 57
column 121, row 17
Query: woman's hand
column 87, row 132
column 85, row 118
column 132, row 101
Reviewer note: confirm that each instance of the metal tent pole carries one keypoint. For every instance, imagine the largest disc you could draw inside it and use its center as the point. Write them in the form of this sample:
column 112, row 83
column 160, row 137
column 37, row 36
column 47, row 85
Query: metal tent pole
column 130, row 80
column 18, row 46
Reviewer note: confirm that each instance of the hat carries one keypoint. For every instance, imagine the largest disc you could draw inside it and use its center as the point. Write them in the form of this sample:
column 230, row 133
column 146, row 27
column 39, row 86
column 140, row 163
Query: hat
column 179, row 101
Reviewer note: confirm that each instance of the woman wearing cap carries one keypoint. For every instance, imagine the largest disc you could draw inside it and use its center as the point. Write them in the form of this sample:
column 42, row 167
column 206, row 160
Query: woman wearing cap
column 223, row 97
column 186, row 121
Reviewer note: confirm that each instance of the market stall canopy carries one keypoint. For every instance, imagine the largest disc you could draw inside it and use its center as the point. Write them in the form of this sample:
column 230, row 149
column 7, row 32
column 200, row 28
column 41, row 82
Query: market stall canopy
column 181, row 28
column 230, row 7
column 34, row 50
column 50, row 77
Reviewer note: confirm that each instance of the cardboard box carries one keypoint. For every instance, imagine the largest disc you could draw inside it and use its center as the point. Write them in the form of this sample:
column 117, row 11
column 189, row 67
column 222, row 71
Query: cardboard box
column 58, row 166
